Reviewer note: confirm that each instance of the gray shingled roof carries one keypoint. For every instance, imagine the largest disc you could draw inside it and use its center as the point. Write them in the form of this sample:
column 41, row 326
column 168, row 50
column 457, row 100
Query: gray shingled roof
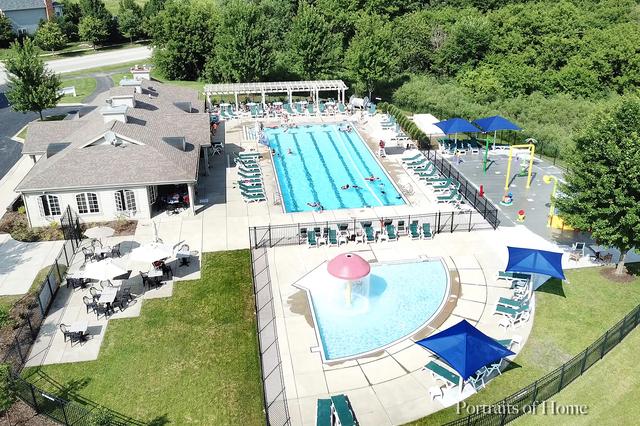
column 155, row 161
column 9, row 5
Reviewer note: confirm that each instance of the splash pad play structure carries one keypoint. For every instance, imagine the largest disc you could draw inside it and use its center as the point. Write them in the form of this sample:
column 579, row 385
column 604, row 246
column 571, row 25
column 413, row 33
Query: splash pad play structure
column 359, row 308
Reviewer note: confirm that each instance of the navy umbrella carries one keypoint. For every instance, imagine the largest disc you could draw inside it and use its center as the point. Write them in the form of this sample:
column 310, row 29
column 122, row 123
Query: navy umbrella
column 455, row 126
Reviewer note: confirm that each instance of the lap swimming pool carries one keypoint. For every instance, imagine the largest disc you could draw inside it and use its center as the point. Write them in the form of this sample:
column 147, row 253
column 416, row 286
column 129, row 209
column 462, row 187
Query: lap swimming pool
column 322, row 161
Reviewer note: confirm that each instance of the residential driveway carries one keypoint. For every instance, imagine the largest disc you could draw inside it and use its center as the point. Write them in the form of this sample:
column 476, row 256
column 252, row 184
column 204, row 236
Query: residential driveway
column 20, row 263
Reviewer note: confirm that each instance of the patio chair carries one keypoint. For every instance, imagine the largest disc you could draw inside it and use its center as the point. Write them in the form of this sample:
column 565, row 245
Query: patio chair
column 166, row 270
column 413, row 158
column 251, row 189
column 440, row 373
column 417, row 163
column 477, row 379
column 323, row 413
column 343, row 410
column 67, row 334
column 115, row 251
column 251, row 198
column 103, row 309
column 505, row 301
column 369, row 234
column 125, row 293
column 94, row 293
column 89, row 303
column 426, row 231
column 511, row 311
column 402, row 229
column 88, row 254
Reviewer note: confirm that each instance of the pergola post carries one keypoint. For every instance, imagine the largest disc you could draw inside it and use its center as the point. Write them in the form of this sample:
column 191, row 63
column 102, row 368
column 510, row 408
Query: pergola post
column 290, row 96
column 192, row 198
column 264, row 99
column 235, row 94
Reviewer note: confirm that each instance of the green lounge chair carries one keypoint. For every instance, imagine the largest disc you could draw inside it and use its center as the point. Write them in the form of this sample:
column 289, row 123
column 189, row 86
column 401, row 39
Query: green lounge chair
column 299, row 109
column 505, row 301
column 372, row 110
column 442, row 185
column 250, row 175
column 254, row 112
column 323, row 413
column 511, row 312
column 252, row 189
column 251, row 198
column 505, row 342
column 251, row 181
column 249, row 154
column 435, row 180
column 426, row 231
column 412, row 159
column 416, row 164
column 343, row 410
column 341, row 108
column 513, row 276
column 426, row 175
column 247, row 161
column 368, row 231
column 310, row 109
column 311, row 239
column 287, row 108
column 391, row 233
column 439, row 371
column 248, row 168
column 322, row 108
column 447, row 198
column 413, row 230
column 333, row 237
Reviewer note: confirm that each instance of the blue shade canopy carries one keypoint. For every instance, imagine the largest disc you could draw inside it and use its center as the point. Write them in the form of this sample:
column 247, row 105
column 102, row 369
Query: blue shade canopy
column 465, row 348
column 495, row 123
column 535, row 261
column 456, row 125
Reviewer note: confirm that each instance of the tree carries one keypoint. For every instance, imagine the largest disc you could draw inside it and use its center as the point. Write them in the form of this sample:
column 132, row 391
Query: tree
column 182, row 37
column 32, row 87
column 313, row 51
column 244, row 50
column 93, row 30
column 98, row 10
column 153, row 7
column 6, row 31
column 130, row 19
column 370, row 57
column 50, row 36
column 466, row 44
column 602, row 189
column 70, row 19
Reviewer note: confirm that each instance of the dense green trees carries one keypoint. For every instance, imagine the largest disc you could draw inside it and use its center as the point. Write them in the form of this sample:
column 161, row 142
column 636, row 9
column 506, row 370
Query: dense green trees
column 32, row 87
column 50, row 36
column 602, row 188
column 93, row 30
column 6, row 31
column 130, row 19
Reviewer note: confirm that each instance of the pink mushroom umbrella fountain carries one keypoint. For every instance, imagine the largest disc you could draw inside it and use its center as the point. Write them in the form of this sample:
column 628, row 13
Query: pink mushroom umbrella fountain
column 354, row 271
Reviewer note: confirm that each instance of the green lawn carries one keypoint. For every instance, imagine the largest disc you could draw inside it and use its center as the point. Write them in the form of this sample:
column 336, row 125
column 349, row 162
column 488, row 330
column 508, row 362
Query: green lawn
column 568, row 318
column 190, row 358
column 610, row 390
column 84, row 87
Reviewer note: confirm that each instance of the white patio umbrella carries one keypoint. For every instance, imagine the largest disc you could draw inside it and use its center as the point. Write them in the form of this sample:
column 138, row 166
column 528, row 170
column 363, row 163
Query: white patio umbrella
column 104, row 270
column 99, row 232
column 151, row 252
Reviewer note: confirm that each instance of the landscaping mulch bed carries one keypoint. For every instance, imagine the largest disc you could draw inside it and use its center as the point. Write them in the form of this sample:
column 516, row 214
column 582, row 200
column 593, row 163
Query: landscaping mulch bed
column 23, row 415
column 610, row 274
column 122, row 227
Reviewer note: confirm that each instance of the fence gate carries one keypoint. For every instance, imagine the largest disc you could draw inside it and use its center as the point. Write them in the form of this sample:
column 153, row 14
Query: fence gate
column 71, row 227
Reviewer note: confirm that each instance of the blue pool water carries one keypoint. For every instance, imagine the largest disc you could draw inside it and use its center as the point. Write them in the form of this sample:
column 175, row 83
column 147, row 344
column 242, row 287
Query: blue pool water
column 323, row 160
column 402, row 297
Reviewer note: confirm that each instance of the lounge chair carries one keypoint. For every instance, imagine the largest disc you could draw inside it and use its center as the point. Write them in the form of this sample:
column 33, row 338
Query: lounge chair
column 513, row 276
column 323, row 413
column 430, row 174
column 310, row 109
column 426, row 231
column 248, row 170
column 372, row 110
column 250, row 176
column 333, row 237
column 311, row 239
column 439, row 372
column 413, row 231
column 511, row 312
column 368, row 231
column 341, row 108
column 251, row 189
column 391, row 233
column 446, row 198
column 250, row 198
column 343, row 411
column 416, row 164
column 412, row 159
column 249, row 154
column 442, row 185
column 299, row 109
column 512, row 303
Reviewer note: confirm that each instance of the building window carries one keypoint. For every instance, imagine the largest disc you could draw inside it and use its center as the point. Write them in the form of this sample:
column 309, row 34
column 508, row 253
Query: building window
column 125, row 201
column 49, row 205
column 87, row 203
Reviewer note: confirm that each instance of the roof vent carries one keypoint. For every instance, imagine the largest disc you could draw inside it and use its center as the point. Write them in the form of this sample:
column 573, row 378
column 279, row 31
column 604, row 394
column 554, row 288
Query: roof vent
column 112, row 139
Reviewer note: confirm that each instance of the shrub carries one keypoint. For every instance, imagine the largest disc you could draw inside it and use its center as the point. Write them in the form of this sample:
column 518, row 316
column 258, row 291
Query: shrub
column 407, row 125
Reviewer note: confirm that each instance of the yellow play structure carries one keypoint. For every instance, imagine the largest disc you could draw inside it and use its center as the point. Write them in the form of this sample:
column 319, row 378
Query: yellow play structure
column 532, row 149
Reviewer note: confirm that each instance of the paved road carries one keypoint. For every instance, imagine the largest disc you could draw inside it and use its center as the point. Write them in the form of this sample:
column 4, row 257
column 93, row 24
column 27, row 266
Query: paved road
column 96, row 60
column 11, row 122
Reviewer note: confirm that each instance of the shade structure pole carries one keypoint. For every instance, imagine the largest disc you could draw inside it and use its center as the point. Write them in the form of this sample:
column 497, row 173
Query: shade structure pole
column 264, row 99
column 533, row 151
column 236, row 98
column 506, row 181
column 495, row 133
column 290, row 96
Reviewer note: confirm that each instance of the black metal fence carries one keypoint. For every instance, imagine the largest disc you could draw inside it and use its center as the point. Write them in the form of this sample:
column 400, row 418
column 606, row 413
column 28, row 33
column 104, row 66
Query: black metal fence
column 525, row 400
column 15, row 352
column 467, row 189
column 275, row 398
column 291, row 234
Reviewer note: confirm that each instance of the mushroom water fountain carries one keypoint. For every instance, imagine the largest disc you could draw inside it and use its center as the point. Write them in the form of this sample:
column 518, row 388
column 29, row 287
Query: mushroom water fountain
column 353, row 273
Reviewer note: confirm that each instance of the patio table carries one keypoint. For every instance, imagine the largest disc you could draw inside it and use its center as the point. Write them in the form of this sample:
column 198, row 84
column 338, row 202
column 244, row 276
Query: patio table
column 108, row 295
column 155, row 273
column 80, row 328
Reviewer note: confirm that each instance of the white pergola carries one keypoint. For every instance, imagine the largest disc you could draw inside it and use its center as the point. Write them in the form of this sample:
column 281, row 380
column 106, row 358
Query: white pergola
column 289, row 87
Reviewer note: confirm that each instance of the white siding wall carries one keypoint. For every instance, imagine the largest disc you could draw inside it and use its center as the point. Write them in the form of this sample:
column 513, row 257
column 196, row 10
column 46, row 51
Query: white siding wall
column 106, row 201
